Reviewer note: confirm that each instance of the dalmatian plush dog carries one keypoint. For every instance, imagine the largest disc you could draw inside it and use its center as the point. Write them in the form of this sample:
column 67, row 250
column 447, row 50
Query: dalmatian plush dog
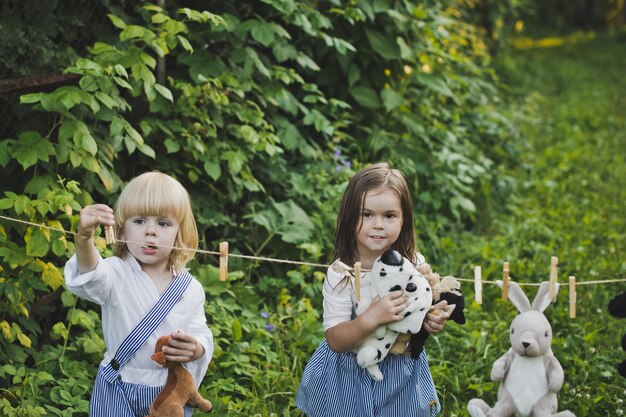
column 392, row 272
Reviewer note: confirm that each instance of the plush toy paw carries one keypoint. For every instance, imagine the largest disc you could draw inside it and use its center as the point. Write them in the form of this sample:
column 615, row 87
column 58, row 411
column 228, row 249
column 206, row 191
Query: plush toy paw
column 477, row 408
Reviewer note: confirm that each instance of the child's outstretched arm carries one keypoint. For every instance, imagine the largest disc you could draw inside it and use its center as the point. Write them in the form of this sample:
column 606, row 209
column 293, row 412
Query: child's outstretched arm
column 90, row 217
column 348, row 335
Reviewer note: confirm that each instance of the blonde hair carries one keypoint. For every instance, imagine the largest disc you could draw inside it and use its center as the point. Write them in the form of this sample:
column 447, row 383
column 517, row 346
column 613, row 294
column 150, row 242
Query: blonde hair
column 157, row 194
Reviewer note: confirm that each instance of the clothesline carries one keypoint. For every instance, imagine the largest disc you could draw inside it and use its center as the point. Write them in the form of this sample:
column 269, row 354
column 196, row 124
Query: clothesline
column 277, row 260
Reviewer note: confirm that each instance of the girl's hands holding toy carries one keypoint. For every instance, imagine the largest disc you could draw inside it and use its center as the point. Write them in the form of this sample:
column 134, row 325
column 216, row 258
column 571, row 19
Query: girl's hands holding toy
column 183, row 348
column 92, row 216
column 386, row 310
column 437, row 317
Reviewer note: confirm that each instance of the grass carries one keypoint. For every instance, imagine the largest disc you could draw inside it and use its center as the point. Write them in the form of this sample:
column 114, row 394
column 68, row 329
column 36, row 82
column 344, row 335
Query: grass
column 568, row 101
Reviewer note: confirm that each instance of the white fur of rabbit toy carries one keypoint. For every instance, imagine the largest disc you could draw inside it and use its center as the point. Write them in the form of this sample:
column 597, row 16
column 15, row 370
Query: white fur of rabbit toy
column 530, row 375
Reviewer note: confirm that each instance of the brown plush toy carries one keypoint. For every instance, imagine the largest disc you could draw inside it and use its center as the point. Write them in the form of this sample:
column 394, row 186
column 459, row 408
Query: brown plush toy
column 179, row 390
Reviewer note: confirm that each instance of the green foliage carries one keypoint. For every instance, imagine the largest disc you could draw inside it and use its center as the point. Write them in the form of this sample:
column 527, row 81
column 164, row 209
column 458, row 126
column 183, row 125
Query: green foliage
column 263, row 109
column 569, row 205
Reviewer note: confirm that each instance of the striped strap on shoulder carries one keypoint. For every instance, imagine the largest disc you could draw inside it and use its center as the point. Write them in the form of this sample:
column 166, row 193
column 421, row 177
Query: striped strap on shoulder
column 147, row 325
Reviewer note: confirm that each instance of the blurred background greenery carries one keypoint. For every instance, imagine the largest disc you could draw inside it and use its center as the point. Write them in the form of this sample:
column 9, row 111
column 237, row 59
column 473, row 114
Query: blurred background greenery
column 507, row 118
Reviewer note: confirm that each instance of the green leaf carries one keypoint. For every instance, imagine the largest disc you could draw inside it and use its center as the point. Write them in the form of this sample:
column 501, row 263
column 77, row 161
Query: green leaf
column 263, row 33
column 235, row 159
column 436, row 84
column 106, row 178
column 117, row 126
column 237, row 330
column 184, row 43
column 83, row 139
column 52, row 277
column 24, row 340
column 159, row 18
column 146, row 150
column 93, row 345
column 171, row 145
column 132, row 133
column 117, row 22
column 384, row 46
column 164, row 91
column 31, row 98
column 286, row 219
column 391, row 99
column 32, row 147
column 132, row 32
column 106, row 99
column 366, row 97
column 68, row 299
column 213, row 169
column 61, row 330
column 37, row 241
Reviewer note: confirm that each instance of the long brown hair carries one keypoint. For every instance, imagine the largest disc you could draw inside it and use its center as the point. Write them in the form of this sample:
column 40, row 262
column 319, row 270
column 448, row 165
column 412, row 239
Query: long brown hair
column 374, row 177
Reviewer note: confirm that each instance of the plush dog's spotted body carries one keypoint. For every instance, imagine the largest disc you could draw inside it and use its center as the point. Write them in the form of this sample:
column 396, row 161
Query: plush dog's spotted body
column 391, row 272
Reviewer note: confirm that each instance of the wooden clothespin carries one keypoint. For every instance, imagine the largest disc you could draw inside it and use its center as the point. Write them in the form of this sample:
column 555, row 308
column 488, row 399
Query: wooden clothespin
column 357, row 280
column 505, row 280
column 109, row 235
column 478, row 285
column 554, row 261
column 223, row 260
column 572, row 297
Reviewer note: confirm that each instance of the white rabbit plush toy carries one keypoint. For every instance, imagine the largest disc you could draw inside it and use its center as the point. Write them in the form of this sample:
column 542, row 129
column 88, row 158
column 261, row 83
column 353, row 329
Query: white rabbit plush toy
column 530, row 375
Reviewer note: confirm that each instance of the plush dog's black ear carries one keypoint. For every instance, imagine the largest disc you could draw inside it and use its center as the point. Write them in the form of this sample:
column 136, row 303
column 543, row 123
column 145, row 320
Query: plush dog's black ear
column 617, row 306
column 621, row 368
column 456, row 298
column 392, row 257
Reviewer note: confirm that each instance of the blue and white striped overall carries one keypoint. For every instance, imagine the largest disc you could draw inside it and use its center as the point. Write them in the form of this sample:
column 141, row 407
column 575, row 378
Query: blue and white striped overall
column 111, row 397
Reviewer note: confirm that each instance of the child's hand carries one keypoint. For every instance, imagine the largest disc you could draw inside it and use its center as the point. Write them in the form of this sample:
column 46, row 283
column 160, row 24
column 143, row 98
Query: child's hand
column 437, row 317
column 386, row 310
column 92, row 216
column 183, row 348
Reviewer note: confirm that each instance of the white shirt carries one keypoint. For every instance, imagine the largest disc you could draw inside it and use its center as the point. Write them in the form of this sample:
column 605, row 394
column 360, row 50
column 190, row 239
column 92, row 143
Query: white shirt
column 339, row 294
column 126, row 294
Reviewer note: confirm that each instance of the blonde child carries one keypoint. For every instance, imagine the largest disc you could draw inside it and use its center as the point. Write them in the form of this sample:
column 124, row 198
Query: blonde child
column 144, row 292
column 376, row 214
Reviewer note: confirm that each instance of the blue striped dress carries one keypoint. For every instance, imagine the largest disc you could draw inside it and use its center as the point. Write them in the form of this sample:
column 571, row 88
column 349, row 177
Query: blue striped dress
column 333, row 384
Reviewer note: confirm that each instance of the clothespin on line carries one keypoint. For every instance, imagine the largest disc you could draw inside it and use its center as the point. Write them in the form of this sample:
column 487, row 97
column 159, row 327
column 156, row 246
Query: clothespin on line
column 478, row 285
column 554, row 261
column 109, row 235
column 572, row 297
column 223, row 260
column 505, row 280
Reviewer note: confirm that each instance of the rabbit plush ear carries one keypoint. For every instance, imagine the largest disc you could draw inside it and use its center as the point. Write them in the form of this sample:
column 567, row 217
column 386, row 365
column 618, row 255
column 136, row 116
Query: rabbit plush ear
column 542, row 300
column 517, row 296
